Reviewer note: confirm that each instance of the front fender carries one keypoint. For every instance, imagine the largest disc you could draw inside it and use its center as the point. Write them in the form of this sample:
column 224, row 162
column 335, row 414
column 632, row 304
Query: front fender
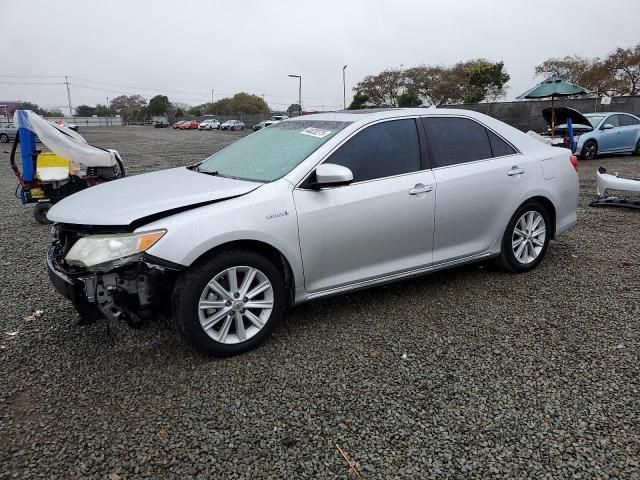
column 267, row 216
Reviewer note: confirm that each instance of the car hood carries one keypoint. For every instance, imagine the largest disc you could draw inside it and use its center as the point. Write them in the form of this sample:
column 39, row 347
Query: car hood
column 562, row 113
column 133, row 200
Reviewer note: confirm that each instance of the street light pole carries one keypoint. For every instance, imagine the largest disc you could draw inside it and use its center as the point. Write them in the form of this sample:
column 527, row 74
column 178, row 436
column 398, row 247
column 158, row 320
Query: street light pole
column 212, row 95
column 299, row 77
column 344, row 88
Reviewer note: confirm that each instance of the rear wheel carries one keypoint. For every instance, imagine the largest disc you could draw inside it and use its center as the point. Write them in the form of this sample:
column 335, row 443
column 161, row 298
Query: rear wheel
column 637, row 150
column 40, row 213
column 526, row 239
column 589, row 150
column 229, row 304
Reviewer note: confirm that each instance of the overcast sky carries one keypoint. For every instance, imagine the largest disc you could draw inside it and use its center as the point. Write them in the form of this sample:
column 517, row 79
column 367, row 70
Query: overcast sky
column 184, row 48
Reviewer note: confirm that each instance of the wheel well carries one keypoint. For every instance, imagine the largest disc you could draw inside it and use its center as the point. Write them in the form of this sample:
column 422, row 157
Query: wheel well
column 264, row 249
column 551, row 210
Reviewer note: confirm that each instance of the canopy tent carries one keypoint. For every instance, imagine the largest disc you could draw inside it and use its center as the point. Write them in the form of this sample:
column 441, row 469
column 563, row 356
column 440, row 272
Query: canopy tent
column 553, row 87
column 64, row 141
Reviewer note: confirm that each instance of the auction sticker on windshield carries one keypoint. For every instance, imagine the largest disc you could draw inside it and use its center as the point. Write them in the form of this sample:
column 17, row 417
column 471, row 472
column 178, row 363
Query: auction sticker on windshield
column 315, row 132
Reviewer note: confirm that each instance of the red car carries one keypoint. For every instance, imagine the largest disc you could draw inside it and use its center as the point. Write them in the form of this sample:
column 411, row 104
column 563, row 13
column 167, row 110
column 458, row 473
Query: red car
column 189, row 125
column 177, row 124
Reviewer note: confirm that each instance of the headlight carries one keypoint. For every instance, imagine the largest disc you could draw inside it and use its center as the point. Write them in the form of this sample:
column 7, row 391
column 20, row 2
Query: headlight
column 111, row 250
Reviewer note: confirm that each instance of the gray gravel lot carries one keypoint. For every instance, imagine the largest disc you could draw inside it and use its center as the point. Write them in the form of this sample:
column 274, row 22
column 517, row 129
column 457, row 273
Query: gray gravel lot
column 505, row 376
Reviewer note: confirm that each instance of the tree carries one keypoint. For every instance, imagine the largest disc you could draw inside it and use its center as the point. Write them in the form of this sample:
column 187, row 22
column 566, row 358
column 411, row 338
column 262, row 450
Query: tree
column 197, row 110
column 625, row 67
column 360, row 100
column 179, row 112
column 465, row 82
column 409, row 99
column 129, row 107
column 239, row 103
column 159, row 105
column 569, row 68
column 293, row 108
column 29, row 106
column 54, row 112
column 103, row 111
column 383, row 89
column 85, row 111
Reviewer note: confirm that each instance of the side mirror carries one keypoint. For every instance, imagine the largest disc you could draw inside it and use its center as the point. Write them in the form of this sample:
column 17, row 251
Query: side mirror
column 332, row 175
column 607, row 126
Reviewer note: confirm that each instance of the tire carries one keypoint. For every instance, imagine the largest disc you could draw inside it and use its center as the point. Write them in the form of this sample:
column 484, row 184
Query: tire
column 40, row 213
column 637, row 150
column 242, row 127
column 4, row 138
column 515, row 258
column 193, row 288
column 589, row 150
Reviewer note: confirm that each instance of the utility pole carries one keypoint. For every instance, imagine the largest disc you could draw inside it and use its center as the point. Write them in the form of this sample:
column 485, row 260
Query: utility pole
column 344, row 88
column 299, row 77
column 212, row 95
column 66, row 81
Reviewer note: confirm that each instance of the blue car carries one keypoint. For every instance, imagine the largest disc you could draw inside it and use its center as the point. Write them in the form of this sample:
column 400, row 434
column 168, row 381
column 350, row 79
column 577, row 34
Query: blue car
column 598, row 133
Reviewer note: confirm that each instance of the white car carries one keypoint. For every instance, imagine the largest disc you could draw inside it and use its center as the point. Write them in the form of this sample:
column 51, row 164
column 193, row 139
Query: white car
column 358, row 199
column 209, row 124
column 232, row 125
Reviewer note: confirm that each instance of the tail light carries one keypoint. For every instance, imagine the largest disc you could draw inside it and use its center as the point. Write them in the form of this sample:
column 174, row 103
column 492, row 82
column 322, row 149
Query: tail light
column 574, row 161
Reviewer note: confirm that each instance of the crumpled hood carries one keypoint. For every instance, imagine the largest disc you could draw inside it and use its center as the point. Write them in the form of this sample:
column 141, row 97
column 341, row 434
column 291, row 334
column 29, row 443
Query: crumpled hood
column 122, row 202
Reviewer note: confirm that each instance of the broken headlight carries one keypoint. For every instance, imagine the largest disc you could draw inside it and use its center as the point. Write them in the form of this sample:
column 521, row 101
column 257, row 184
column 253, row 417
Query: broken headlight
column 111, row 250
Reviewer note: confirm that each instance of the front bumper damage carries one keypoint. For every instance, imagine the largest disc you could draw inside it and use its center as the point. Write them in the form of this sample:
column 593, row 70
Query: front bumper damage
column 605, row 182
column 135, row 293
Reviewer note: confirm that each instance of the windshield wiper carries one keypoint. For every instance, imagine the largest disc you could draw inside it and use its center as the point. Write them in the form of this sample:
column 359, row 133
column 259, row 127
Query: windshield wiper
column 196, row 168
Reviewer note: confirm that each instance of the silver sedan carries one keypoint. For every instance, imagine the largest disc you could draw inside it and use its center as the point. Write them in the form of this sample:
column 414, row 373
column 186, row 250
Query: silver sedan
column 358, row 199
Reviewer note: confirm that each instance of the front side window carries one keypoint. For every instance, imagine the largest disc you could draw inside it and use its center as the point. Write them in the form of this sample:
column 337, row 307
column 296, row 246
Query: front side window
column 454, row 140
column 381, row 150
column 613, row 120
column 272, row 152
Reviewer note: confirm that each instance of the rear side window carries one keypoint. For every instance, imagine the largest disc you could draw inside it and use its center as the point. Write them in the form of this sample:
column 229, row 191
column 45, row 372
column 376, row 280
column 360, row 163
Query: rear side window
column 454, row 140
column 499, row 147
column 627, row 120
column 381, row 150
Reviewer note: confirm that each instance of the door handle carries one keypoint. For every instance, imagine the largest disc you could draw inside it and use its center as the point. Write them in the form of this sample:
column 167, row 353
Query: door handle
column 420, row 188
column 515, row 170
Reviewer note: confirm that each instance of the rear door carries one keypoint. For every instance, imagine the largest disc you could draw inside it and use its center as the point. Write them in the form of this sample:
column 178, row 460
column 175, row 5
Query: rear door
column 480, row 178
column 629, row 127
column 381, row 223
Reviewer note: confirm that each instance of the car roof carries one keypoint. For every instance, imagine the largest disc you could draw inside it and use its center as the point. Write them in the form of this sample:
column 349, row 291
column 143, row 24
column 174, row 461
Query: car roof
column 609, row 113
column 369, row 115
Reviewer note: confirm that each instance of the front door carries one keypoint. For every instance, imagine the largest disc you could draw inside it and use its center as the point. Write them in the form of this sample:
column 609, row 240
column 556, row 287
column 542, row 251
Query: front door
column 380, row 224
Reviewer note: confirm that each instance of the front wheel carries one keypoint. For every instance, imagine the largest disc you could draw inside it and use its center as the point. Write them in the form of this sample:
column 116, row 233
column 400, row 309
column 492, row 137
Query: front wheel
column 526, row 239
column 40, row 213
column 637, row 150
column 230, row 303
column 4, row 138
column 590, row 150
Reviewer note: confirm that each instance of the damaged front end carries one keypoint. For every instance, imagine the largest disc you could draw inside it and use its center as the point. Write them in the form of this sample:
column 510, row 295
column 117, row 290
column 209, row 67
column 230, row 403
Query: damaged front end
column 106, row 273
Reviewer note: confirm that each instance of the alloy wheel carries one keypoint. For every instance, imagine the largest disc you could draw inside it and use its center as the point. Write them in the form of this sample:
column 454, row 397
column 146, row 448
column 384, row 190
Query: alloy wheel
column 528, row 237
column 590, row 151
column 236, row 304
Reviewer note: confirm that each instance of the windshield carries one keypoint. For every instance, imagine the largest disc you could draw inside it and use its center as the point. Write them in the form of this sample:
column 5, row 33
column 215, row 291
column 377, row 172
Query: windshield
column 273, row 152
column 594, row 120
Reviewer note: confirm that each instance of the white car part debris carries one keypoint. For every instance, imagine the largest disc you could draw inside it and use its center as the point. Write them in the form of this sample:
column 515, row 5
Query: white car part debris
column 70, row 145
column 606, row 182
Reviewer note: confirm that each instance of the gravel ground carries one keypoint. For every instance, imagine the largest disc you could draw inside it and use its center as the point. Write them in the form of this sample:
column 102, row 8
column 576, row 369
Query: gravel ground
column 469, row 373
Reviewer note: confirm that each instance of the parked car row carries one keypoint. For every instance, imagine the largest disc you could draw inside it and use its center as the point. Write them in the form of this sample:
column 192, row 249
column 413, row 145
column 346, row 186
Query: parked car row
column 209, row 124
